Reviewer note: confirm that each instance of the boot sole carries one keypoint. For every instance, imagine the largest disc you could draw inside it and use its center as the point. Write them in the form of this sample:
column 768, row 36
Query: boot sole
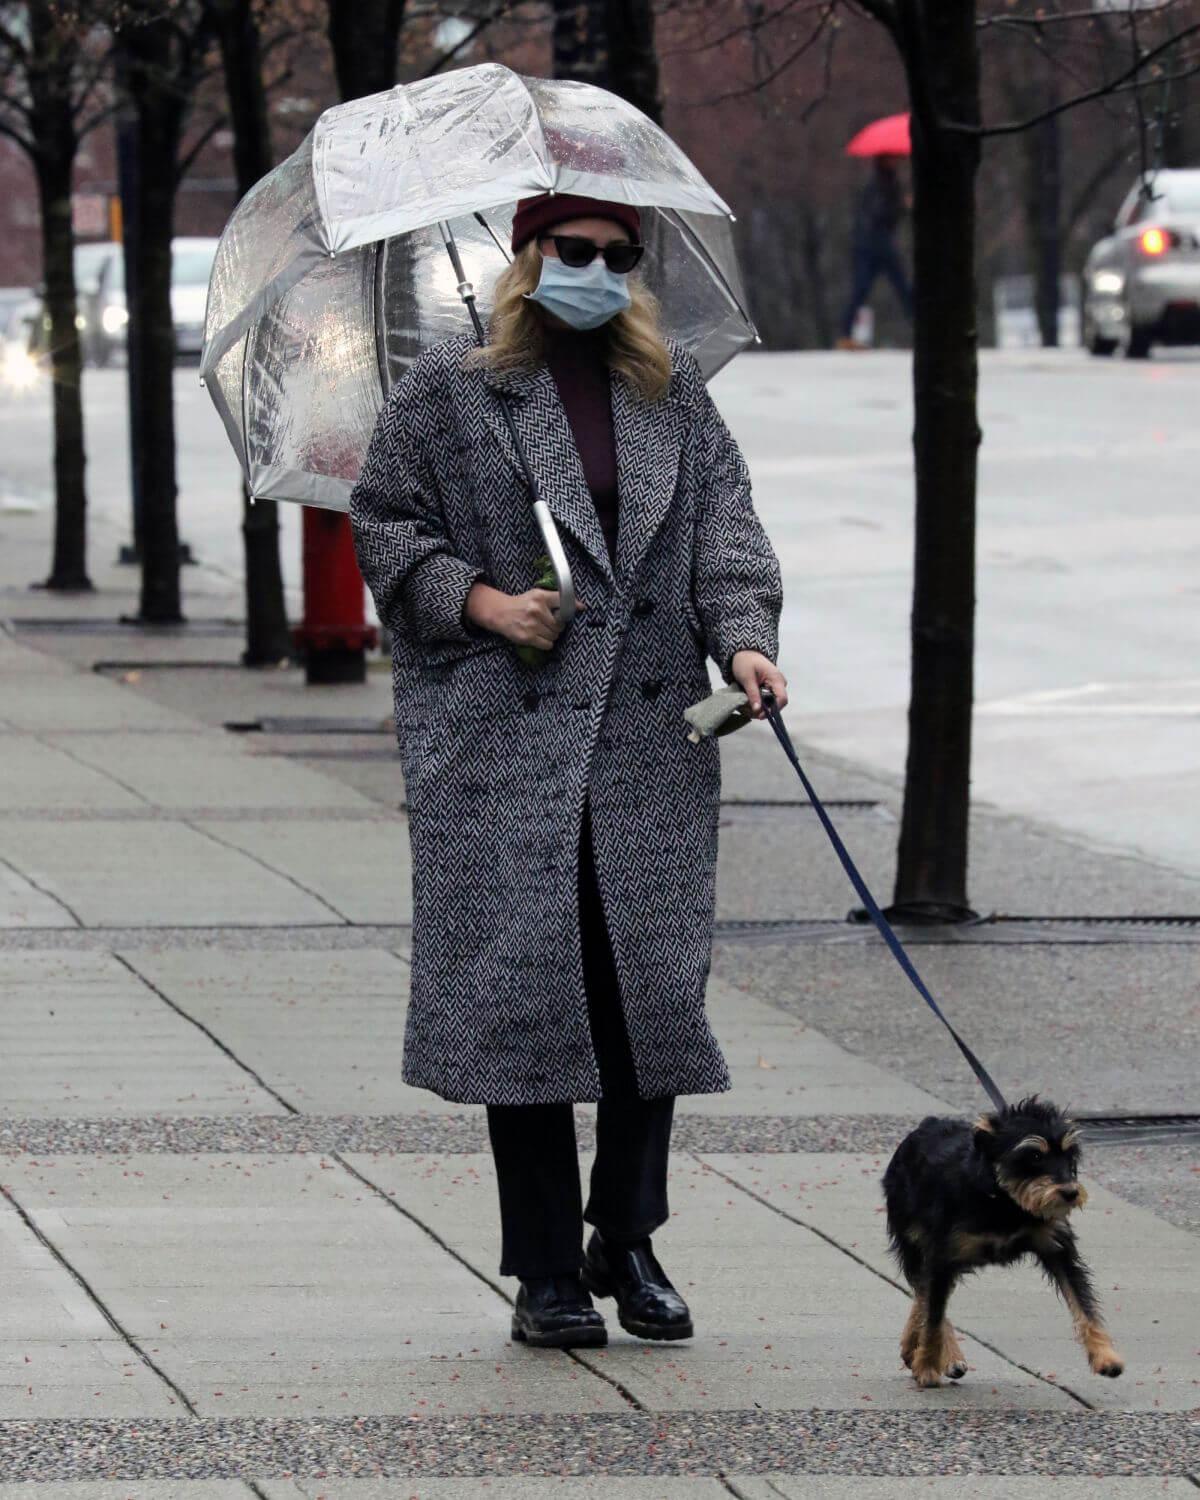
column 560, row 1338
column 659, row 1332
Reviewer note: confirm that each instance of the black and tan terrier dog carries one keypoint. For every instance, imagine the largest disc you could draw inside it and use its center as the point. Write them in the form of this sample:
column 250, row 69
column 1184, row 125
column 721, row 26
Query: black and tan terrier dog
column 962, row 1196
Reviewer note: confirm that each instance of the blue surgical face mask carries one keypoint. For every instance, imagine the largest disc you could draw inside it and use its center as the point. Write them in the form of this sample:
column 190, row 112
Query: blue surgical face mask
column 583, row 296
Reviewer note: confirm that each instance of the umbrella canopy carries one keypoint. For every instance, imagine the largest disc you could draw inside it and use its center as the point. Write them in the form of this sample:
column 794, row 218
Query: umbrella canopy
column 887, row 137
column 332, row 274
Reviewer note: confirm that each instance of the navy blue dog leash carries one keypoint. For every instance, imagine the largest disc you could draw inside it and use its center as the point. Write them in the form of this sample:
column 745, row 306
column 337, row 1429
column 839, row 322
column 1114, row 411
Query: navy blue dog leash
column 775, row 720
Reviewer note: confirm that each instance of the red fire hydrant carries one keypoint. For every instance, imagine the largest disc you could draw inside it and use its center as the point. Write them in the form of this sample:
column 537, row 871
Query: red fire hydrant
column 334, row 636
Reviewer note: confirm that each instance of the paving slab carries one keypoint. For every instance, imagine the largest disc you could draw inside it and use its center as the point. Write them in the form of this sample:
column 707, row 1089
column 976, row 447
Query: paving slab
column 231, row 695
column 361, row 869
column 780, row 1067
column 153, row 875
column 205, row 768
column 786, row 1320
column 776, row 864
column 81, row 1035
column 373, row 771
column 1146, row 1272
column 324, row 1029
column 19, row 658
column 1098, row 1027
column 80, row 700
column 39, row 778
column 1017, row 865
column 754, row 766
column 59, row 1356
column 23, row 905
column 277, row 1286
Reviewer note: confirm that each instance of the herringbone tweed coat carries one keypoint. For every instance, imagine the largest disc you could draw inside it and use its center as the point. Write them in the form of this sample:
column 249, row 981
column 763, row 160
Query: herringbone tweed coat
column 499, row 757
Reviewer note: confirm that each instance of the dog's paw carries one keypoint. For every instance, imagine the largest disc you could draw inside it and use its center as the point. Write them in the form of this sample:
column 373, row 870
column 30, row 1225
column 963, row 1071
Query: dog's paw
column 926, row 1372
column 1108, row 1363
column 954, row 1361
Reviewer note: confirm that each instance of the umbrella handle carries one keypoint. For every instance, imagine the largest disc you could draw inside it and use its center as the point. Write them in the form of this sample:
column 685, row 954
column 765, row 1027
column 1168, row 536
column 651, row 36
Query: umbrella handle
column 558, row 561
column 554, row 547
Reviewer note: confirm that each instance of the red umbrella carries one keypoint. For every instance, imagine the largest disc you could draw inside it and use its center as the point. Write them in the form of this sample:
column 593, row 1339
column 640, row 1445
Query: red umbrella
column 886, row 137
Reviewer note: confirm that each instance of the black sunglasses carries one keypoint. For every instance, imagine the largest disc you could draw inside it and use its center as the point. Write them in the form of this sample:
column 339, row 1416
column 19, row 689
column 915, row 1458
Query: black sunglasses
column 576, row 251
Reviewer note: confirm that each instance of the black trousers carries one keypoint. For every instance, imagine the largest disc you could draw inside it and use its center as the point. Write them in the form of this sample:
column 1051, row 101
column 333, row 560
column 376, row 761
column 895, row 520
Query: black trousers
column 533, row 1145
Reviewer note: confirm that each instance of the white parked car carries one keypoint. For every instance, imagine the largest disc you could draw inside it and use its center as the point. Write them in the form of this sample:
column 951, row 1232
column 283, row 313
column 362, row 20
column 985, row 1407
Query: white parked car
column 100, row 287
column 191, row 264
column 1141, row 283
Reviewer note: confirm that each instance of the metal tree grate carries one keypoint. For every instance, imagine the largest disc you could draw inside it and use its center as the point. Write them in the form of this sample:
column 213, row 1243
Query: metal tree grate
column 1139, row 1129
column 1162, row 919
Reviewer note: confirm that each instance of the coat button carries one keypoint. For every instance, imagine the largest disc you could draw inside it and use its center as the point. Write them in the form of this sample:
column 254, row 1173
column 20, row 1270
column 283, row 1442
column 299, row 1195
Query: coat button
column 530, row 700
column 582, row 703
column 594, row 621
column 642, row 608
column 652, row 687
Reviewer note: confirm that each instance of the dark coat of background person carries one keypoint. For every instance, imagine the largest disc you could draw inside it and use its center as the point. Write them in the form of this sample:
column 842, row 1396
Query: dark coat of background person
column 499, row 757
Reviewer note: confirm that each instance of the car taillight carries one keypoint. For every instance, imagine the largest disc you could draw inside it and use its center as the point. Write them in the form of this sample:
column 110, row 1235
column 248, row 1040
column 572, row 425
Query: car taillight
column 1154, row 241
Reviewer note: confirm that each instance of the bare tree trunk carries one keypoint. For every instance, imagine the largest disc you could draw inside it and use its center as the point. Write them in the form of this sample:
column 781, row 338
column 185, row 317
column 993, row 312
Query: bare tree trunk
column 633, row 57
column 267, row 639
column 609, row 43
column 55, row 142
column 580, row 41
column 364, row 35
column 1045, row 223
column 812, row 255
column 938, row 43
column 160, row 105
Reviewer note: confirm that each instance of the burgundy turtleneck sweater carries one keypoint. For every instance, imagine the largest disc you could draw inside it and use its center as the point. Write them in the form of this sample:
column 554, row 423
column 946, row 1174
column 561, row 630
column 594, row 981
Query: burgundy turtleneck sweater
column 579, row 364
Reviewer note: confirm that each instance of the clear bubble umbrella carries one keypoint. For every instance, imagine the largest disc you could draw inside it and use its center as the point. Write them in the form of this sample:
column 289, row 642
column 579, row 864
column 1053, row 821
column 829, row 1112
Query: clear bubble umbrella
column 332, row 274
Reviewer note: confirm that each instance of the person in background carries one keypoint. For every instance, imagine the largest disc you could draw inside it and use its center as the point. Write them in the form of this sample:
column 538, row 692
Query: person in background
column 877, row 216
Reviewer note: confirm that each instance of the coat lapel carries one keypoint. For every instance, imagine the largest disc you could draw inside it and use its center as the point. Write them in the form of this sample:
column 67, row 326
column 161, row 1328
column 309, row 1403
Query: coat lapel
column 649, row 442
column 545, row 434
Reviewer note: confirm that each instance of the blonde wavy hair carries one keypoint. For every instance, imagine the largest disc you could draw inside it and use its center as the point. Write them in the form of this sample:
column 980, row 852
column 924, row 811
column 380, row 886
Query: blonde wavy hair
column 516, row 339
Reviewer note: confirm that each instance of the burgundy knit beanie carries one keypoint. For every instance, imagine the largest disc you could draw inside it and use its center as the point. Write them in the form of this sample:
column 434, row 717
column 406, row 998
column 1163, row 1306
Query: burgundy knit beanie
column 536, row 215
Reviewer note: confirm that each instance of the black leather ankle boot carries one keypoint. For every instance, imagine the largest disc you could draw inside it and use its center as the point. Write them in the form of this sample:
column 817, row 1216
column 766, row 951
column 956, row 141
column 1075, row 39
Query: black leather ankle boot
column 555, row 1312
column 648, row 1306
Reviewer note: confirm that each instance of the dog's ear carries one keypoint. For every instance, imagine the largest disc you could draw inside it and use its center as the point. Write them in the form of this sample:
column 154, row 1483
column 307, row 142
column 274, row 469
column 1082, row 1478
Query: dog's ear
column 983, row 1133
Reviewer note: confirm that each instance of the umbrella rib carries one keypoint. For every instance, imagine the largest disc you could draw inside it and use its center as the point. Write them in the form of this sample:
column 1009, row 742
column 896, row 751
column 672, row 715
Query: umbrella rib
column 674, row 217
column 492, row 233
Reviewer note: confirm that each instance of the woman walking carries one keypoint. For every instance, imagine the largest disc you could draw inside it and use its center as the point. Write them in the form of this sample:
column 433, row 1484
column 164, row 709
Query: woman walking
column 563, row 828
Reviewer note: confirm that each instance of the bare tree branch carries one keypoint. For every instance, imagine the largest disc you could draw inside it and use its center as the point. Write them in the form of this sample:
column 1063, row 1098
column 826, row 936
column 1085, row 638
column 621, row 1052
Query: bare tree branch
column 188, row 159
column 101, row 116
column 1052, row 18
column 829, row 7
column 883, row 11
column 465, row 41
column 1089, row 189
column 1121, row 84
column 26, row 143
column 741, row 30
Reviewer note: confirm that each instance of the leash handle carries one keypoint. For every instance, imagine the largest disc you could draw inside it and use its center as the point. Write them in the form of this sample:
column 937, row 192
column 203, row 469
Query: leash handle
column 886, row 932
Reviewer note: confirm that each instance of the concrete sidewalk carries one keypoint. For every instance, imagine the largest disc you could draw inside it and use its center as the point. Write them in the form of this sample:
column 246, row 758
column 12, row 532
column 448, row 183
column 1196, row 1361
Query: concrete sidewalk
column 243, row 1259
